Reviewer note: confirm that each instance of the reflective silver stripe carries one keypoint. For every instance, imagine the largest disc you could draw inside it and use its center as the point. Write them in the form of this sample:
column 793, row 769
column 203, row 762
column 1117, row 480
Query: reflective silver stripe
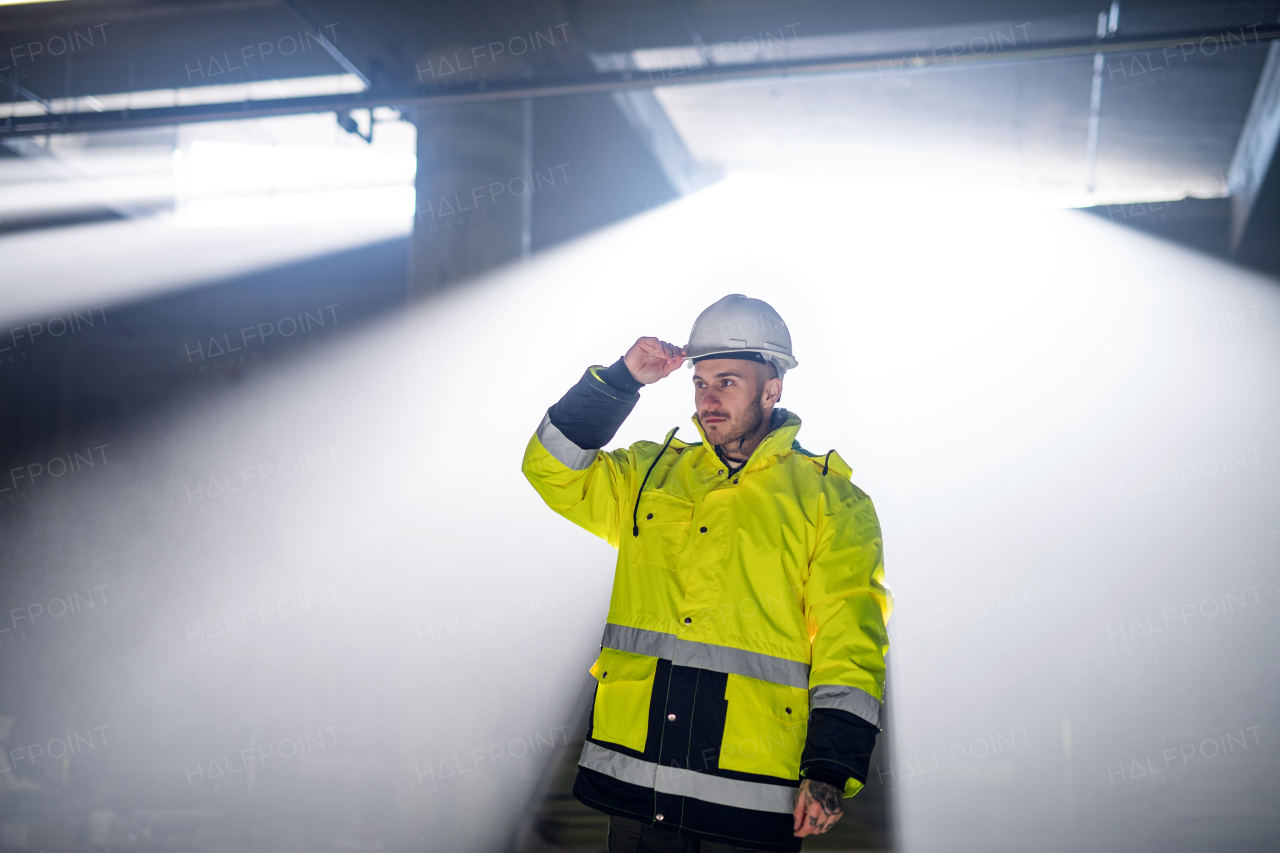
column 855, row 700
column 742, row 662
column 624, row 768
column 706, row 656
column 780, row 799
column 638, row 640
column 565, row 451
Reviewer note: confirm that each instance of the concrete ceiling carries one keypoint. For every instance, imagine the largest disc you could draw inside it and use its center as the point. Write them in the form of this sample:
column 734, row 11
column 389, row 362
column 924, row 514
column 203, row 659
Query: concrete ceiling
column 1168, row 126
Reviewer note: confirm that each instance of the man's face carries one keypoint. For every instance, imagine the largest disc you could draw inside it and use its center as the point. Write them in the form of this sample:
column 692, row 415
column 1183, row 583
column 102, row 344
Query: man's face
column 731, row 397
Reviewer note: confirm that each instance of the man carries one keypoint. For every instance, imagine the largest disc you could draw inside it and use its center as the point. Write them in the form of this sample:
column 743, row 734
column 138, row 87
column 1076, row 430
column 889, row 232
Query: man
column 741, row 673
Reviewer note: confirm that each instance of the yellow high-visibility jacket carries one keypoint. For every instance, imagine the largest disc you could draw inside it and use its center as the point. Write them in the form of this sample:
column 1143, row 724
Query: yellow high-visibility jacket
column 745, row 640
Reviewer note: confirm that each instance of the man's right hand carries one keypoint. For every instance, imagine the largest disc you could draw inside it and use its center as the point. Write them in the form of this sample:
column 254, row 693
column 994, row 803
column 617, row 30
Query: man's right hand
column 651, row 359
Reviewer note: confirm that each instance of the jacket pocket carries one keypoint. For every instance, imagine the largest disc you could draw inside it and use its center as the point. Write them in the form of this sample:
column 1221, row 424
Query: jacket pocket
column 663, row 520
column 764, row 727
column 624, row 686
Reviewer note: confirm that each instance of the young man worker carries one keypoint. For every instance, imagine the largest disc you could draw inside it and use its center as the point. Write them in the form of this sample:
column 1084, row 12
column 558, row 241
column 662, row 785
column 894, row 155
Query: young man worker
column 741, row 673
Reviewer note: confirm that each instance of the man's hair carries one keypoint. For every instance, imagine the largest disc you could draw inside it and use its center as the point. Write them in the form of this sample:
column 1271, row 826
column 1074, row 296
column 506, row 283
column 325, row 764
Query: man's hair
column 765, row 370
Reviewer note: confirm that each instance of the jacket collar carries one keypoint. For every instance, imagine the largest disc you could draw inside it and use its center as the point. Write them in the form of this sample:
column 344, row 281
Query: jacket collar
column 786, row 425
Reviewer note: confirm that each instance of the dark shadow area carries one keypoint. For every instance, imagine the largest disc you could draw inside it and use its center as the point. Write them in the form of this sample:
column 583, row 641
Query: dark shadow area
column 14, row 223
column 102, row 368
column 1198, row 223
column 609, row 173
column 1203, row 224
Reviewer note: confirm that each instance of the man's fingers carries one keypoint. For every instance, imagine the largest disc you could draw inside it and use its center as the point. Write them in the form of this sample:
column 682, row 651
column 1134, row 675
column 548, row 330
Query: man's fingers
column 650, row 346
column 811, row 820
column 650, row 359
column 662, row 348
column 824, row 821
column 675, row 355
column 827, row 821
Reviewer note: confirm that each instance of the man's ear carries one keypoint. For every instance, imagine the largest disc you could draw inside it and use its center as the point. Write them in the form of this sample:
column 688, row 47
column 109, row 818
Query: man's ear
column 772, row 391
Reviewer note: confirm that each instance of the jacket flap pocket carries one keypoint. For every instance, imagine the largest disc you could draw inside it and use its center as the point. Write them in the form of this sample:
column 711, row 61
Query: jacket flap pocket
column 664, row 508
column 614, row 666
column 781, row 701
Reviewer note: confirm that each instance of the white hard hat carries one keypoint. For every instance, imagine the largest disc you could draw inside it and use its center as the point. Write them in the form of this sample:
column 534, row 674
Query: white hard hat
column 737, row 325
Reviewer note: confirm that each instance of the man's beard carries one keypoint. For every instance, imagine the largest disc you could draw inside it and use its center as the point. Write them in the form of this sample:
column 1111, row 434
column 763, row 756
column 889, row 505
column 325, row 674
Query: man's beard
column 751, row 420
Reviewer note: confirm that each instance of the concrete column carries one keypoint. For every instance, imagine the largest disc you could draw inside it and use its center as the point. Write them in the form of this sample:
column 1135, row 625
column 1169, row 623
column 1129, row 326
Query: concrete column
column 472, row 192
column 1253, row 176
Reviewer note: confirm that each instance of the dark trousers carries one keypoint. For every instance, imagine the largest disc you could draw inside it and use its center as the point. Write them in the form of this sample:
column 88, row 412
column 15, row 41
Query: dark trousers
column 632, row 836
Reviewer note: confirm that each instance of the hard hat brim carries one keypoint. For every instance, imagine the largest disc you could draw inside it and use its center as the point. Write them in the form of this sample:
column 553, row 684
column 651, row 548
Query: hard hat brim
column 784, row 360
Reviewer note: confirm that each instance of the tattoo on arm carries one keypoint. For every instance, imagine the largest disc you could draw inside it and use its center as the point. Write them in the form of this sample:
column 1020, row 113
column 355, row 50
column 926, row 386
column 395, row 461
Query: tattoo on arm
column 828, row 796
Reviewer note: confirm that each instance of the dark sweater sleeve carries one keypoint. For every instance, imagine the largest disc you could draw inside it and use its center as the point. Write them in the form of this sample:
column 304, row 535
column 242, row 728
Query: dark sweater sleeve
column 838, row 745
column 591, row 412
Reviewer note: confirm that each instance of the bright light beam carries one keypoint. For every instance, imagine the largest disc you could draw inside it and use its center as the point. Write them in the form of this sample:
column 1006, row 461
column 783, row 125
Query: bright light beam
column 998, row 380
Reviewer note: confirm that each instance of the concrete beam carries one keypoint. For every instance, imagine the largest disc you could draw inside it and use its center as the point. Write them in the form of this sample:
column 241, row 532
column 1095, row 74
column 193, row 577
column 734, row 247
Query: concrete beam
column 330, row 48
column 1252, row 176
column 473, row 196
column 653, row 126
column 497, row 181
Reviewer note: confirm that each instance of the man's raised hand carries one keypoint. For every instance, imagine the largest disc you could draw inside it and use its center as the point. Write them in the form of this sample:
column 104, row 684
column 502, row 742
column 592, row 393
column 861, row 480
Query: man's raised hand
column 651, row 359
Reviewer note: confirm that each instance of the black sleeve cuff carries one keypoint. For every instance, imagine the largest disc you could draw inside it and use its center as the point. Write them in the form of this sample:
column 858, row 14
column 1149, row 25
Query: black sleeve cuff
column 591, row 412
column 838, row 745
column 818, row 773
column 619, row 378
